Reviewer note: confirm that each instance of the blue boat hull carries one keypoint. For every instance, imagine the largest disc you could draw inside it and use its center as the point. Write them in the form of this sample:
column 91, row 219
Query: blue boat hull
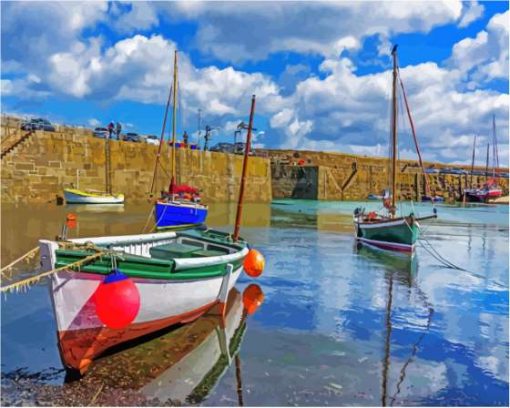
column 171, row 214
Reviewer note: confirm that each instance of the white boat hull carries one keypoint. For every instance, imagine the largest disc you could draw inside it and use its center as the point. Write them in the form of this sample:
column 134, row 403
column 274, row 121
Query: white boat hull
column 73, row 197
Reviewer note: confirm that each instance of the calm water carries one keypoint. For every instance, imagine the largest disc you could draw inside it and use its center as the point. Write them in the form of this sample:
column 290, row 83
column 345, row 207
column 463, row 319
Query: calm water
column 339, row 325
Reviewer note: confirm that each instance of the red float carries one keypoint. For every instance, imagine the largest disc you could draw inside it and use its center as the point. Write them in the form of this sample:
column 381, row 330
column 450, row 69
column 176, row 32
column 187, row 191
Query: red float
column 117, row 300
column 254, row 263
column 252, row 298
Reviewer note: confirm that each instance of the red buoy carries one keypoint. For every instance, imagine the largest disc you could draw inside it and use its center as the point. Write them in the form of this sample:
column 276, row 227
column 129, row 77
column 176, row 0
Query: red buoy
column 254, row 263
column 117, row 300
column 252, row 298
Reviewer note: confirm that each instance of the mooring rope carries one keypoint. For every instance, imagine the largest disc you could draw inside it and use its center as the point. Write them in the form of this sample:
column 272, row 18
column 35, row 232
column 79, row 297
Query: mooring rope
column 34, row 279
column 24, row 257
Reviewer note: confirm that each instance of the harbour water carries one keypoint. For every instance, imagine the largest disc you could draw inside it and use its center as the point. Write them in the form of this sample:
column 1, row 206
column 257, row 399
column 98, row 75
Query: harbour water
column 339, row 325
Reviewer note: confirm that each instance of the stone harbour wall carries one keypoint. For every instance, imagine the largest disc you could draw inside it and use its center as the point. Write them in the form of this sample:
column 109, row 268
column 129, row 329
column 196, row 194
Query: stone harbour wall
column 339, row 176
column 42, row 165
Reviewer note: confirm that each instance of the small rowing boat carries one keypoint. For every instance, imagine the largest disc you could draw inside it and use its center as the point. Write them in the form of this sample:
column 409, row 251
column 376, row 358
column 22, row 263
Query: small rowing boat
column 178, row 277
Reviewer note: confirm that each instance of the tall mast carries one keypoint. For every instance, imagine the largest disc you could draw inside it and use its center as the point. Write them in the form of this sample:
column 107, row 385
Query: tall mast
column 237, row 225
column 487, row 163
column 394, row 139
column 174, row 124
column 495, row 157
column 473, row 163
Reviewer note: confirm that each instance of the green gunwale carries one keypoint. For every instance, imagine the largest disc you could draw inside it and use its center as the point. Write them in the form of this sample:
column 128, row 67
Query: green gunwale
column 141, row 267
column 154, row 268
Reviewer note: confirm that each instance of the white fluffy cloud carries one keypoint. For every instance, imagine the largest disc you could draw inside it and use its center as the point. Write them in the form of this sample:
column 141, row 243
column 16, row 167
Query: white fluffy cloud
column 350, row 113
column 234, row 32
column 338, row 109
column 471, row 12
column 32, row 31
column 484, row 57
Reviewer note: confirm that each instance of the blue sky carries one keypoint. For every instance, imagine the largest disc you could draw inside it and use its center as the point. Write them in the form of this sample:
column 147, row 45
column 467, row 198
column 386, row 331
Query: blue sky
column 320, row 70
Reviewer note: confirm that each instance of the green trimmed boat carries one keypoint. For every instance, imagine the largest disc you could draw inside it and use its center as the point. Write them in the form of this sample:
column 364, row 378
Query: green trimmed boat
column 178, row 275
column 388, row 231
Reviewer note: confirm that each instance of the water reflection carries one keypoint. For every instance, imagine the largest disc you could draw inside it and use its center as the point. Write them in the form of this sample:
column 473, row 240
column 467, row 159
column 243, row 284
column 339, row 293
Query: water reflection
column 402, row 269
column 179, row 366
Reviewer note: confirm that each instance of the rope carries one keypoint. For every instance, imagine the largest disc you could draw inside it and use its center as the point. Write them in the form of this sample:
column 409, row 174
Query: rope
column 34, row 279
column 26, row 257
column 148, row 219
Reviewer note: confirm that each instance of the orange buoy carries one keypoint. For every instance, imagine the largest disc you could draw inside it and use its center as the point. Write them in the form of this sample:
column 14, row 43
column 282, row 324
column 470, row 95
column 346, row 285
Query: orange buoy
column 71, row 220
column 254, row 263
column 253, row 297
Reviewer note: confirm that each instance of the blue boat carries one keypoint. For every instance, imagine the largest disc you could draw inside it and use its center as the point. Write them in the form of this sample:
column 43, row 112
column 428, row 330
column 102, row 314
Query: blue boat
column 180, row 205
column 179, row 212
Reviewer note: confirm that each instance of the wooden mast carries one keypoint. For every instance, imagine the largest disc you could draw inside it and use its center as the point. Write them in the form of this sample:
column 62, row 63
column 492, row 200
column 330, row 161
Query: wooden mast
column 245, row 168
column 161, row 141
column 108, row 164
column 487, row 164
column 495, row 159
column 174, row 125
column 394, row 138
column 473, row 163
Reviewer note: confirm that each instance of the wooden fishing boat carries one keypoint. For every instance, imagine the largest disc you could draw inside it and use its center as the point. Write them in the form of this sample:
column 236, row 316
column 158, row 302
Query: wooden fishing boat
column 181, row 204
column 389, row 231
column 490, row 190
column 179, row 276
column 75, row 196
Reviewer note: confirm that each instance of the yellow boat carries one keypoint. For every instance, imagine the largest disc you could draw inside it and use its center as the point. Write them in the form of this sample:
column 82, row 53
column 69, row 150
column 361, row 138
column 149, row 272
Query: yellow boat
column 75, row 196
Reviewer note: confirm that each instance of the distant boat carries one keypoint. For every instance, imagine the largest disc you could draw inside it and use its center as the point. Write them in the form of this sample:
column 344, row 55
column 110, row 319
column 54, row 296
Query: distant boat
column 181, row 204
column 374, row 197
column 435, row 199
column 75, row 196
column 490, row 190
column 389, row 232
column 78, row 196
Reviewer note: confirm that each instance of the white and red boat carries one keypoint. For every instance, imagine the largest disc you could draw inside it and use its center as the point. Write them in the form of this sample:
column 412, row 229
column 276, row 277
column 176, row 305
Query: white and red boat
column 179, row 276
column 484, row 194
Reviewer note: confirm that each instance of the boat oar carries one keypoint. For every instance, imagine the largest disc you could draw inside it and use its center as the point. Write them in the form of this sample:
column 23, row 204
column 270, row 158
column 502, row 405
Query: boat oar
column 245, row 168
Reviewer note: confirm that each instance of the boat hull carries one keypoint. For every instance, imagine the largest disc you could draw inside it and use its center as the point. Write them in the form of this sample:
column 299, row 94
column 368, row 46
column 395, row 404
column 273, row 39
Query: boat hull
column 73, row 196
column 394, row 235
column 169, row 214
column 83, row 337
column 482, row 195
column 172, row 289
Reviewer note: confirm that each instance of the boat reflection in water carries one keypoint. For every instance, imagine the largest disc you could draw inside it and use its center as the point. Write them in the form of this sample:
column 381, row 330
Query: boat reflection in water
column 403, row 270
column 183, row 365
column 95, row 208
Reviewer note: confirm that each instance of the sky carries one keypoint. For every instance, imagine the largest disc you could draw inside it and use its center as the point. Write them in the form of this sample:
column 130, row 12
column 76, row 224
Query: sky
column 321, row 71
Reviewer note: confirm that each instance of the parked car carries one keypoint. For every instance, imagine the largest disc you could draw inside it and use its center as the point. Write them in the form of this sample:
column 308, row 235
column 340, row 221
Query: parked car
column 132, row 137
column 239, row 148
column 431, row 170
column 153, row 140
column 223, row 147
column 38, row 124
column 100, row 132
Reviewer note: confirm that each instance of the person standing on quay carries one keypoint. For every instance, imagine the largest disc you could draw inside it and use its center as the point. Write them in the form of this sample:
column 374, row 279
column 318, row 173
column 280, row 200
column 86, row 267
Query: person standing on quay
column 118, row 129
column 110, row 129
